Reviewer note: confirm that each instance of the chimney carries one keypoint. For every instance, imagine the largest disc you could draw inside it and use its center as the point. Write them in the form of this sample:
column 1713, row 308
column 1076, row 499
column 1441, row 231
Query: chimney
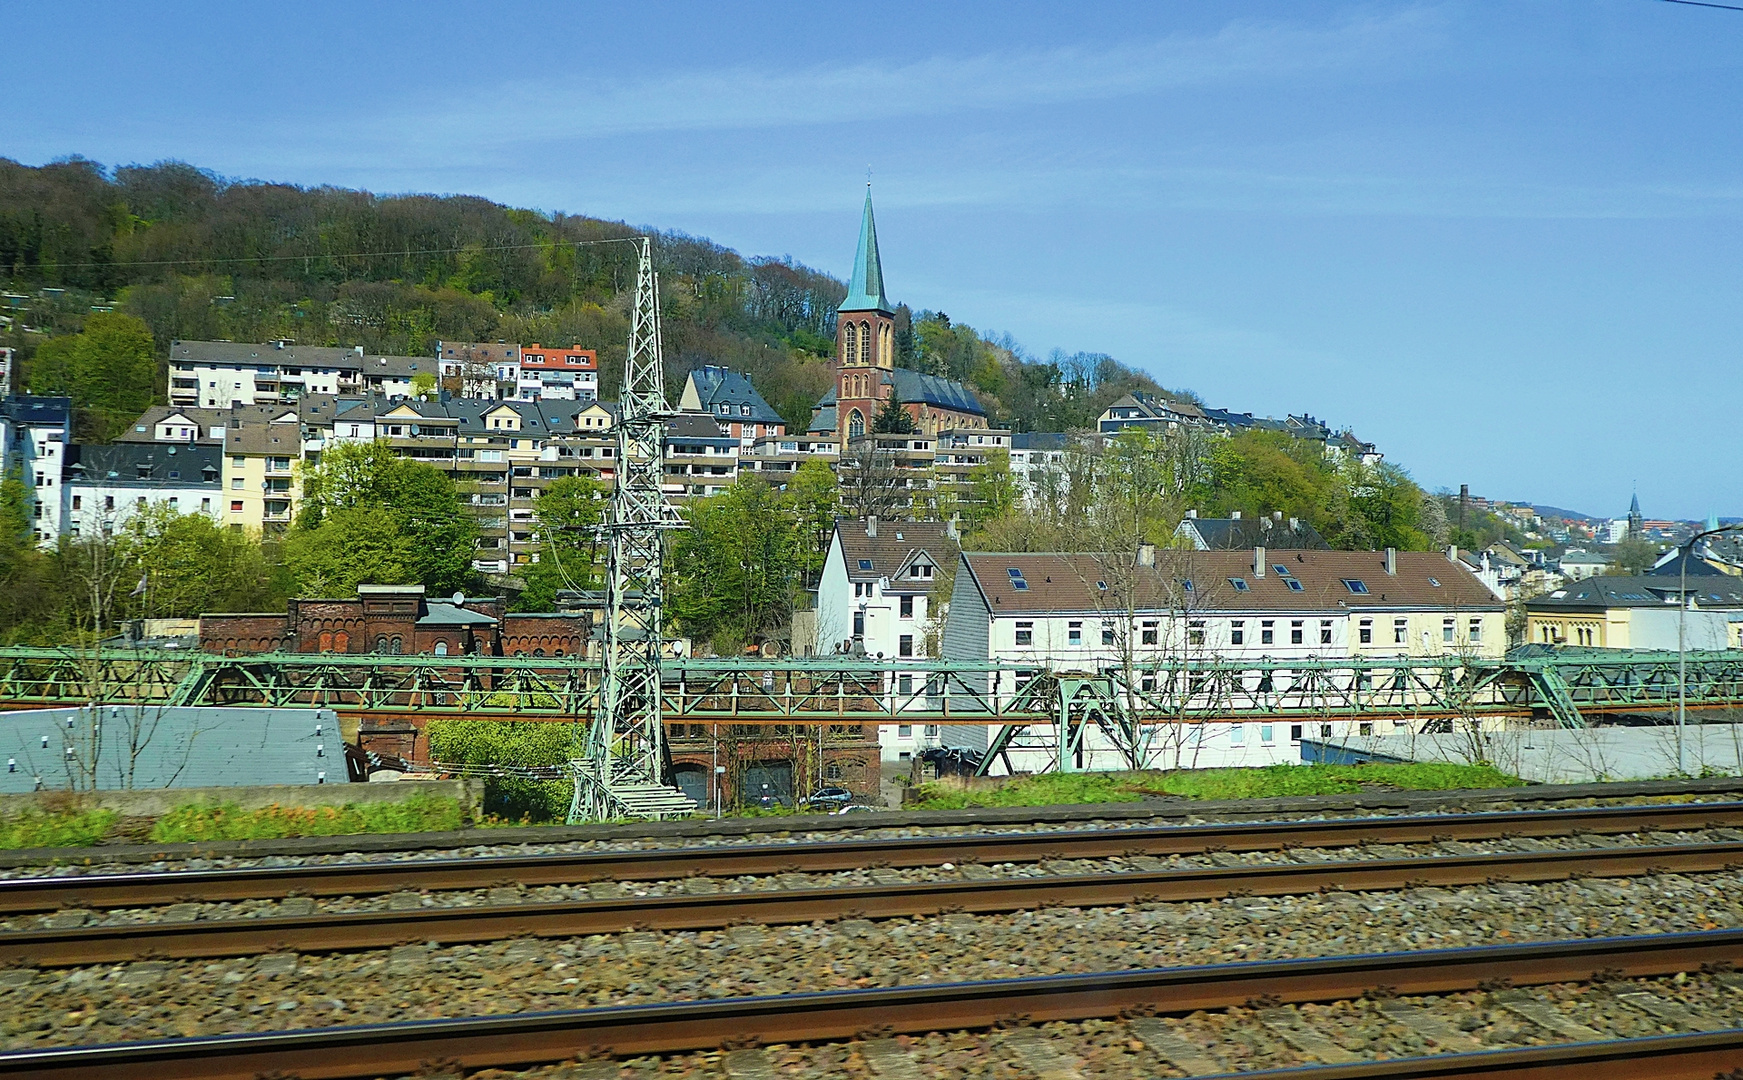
column 871, row 525
column 1146, row 554
column 1192, row 514
column 1276, row 515
column 1294, row 524
column 1452, row 553
column 1391, row 562
column 953, row 527
column 1234, row 515
column 1258, row 562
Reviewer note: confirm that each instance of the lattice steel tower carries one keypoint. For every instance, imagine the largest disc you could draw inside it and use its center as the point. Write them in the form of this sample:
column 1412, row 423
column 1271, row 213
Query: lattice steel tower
column 624, row 767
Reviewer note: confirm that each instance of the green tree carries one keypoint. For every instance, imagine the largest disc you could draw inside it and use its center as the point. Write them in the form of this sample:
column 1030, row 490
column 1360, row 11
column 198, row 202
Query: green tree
column 993, row 491
column 892, row 418
column 734, row 571
column 814, row 494
column 351, row 546
column 569, row 554
column 190, row 565
column 433, row 526
column 1633, row 556
column 109, row 370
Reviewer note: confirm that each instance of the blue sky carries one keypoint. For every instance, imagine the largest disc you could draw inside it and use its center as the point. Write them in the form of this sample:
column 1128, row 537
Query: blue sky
column 1499, row 239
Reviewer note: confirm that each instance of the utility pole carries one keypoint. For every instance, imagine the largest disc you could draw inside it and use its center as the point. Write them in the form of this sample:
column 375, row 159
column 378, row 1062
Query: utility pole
column 625, row 763
column 1682, row 614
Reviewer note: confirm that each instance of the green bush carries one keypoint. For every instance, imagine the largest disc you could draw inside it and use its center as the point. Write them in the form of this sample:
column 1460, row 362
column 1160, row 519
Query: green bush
column 420, row 813
column 528, row 743
column 1055, row 789
column 42, row 829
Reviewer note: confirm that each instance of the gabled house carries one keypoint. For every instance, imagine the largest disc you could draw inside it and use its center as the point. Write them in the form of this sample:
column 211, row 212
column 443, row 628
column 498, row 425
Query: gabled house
column 733, row 402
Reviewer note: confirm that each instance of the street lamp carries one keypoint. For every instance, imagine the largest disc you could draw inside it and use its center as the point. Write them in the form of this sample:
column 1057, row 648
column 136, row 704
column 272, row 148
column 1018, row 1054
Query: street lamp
column 1682, row 613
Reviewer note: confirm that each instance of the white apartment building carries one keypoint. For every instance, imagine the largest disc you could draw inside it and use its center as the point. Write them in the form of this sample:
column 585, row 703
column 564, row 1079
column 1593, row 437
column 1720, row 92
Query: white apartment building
column 1089, row 613
column 218, row 374
column 872, row 600
column 554, row 374
column 33, row 442
column 104, row 486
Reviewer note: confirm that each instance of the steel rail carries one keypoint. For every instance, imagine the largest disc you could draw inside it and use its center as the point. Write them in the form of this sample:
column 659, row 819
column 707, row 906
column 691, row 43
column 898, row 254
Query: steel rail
column 527, row 1039
column 340, row 932
column 35, row 894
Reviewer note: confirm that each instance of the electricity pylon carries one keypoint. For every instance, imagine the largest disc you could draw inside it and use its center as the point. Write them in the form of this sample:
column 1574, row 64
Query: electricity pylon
column 623, row 771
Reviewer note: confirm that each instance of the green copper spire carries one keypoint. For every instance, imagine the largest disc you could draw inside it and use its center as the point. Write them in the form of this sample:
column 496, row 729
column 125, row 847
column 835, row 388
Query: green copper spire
column 866, row 291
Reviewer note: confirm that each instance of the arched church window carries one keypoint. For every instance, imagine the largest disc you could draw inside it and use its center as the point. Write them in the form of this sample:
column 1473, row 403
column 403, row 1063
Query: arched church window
column 850, row 346
column 855, row 424
column 865, row 348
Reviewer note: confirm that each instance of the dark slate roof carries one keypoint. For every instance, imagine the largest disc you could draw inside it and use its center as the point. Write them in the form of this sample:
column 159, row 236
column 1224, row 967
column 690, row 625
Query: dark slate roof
column 912, row 387
column 1230, row 534
column 165, row 464
column 895, row 542
column 1066, row 583
column 203, row 419
column 1604, row 592
column 37, row 411
column 716, row 386
column 246, row 354
column 695, row 426
column 1671, row 567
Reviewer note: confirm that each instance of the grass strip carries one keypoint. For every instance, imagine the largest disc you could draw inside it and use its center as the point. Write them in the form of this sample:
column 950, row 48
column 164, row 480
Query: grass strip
column 421, row 813
column 1062, row 789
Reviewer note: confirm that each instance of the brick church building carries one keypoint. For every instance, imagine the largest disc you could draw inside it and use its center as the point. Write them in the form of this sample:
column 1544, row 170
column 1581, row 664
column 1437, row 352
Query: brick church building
column 865, row 361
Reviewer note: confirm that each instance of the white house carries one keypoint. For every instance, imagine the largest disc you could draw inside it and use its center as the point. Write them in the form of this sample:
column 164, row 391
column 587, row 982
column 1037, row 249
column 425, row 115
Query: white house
column 872, row 600
column 33, row 443
column 106, row 485
column 1091, row 613
column 218, row 374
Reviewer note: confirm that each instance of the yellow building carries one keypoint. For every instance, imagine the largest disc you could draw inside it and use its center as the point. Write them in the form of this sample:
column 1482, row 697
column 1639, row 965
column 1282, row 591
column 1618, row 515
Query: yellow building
column 1639, row 612
column 259, row 473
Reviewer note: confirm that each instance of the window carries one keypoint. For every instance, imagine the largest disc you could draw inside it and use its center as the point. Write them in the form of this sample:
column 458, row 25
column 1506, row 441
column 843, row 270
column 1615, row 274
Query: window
column 1148, row 633
column 1186, row 584
column 1294, row 732
column 1365, row 632
column 1325, row 731
column 1400, row 631
column 1435, row 582
column 76, row 501
column 1366, row 727
column 1446, row 630
column 1237, row 734
column 1295, row 631
column 1107, row 634
column 1476, row 631
column 108, row 502
column 236, row 483
column 1074, row 633
column 441, row 648
column 1025, row 633
column 1356, row 586
column 1294, row 585
column 1267, row 636
column 905, row 645
column 1239, row 583
column 1238, row 632
column 907, row 607
column 1267, row 734
column 1325, row 631
column 859, row 624
column 904, row 731
column 904, row 684
column 236, row 507
column 1282, row 571
column 1195, row 632
column 931, row 731
column 921, row 570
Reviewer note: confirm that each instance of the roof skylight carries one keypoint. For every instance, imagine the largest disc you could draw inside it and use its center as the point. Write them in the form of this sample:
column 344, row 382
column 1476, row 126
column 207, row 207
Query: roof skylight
column 1356, row 585
column 1294, row 585
column 1239, row 583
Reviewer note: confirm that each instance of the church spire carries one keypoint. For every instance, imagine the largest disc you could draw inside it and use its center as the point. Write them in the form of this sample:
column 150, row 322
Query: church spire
column 865, row 292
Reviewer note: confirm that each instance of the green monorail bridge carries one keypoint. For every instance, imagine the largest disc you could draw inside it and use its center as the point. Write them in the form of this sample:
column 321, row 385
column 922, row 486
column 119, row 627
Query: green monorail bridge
column 1563, row 688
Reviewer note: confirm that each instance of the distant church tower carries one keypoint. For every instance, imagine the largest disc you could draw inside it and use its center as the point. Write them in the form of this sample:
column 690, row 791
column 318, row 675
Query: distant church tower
column 865, row 337
column 1636, row 520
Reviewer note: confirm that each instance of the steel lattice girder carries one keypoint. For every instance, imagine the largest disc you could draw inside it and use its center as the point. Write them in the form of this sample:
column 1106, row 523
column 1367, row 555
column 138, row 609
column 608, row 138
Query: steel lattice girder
column 865, row 691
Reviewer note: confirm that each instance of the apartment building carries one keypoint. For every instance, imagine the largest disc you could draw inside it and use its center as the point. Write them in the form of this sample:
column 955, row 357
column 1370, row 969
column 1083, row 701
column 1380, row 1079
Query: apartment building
column 260, row 484
column 1640, row 612
column 1091, row 613
column 396, row 376
column 478, row 369
column 957, row 453
column 218, row 374
column 104, row 486
column 873, row 599
column 775, row 458
column 729, row 397
column 701, row 456
column 34, row 433
column 555, row 374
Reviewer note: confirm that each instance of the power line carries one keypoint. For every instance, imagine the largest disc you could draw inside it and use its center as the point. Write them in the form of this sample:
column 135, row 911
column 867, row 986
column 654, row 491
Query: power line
column 337, row 254
column 1705, row 3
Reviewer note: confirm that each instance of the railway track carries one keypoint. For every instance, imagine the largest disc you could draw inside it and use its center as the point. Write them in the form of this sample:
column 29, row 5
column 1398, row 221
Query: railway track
column 142, row 889
column 329, row 932
column 538, row 1038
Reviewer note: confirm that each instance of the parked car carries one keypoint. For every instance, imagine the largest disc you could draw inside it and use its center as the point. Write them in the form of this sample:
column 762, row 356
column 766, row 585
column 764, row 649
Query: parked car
column 856, row 808
column 830, row 797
